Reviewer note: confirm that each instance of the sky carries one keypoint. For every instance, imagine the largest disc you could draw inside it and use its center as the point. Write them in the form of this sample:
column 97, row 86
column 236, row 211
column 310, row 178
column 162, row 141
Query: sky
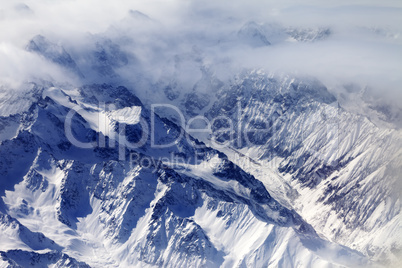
column 174, row 38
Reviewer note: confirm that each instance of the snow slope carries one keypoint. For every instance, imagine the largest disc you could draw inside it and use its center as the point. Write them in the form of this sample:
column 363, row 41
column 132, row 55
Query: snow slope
column 338, row 169
column 103, row 208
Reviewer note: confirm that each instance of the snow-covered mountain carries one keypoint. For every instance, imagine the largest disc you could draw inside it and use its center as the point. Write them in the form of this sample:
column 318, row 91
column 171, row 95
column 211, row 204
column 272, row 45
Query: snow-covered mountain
column 148, row 210
column 53, row 52
column 344, row 168
column 172, row 143
column 337, row 168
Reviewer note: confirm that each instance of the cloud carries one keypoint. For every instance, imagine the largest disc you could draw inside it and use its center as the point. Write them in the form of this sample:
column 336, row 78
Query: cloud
column 174, row 40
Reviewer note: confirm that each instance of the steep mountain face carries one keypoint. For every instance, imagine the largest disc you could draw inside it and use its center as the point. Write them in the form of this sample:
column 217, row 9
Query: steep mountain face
column 337, row 169
column 252, row 34
column 106, row 57
column 12, row 229
column 53, row 52
column 287, row 176
column 80, row 186
column 20, row 258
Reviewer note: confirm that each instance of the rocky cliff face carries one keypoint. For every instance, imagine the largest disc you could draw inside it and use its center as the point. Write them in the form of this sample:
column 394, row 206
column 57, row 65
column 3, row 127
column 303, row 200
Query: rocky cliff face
column 287, row 176
column 123, row 206
column 343, row 167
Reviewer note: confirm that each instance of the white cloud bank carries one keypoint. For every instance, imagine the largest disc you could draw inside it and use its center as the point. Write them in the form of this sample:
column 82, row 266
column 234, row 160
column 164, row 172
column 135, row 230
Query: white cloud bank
column 175, row 38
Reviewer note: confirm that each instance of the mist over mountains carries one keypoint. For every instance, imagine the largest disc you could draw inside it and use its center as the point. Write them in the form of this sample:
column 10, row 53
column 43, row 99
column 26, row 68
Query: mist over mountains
column 200, row 134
